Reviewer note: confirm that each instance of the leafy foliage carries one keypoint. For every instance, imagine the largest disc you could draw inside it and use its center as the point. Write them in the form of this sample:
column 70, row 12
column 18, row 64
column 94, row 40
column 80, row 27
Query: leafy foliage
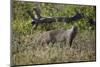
column 24, row 49
column 49, row 9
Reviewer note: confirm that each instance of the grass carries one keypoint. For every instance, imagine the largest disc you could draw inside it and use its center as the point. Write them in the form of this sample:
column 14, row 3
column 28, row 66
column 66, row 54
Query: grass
column 24, row 47
column 25, row 50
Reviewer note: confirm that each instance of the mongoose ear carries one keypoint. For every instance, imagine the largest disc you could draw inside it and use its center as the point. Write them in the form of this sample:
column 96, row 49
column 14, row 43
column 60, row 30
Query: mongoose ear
column 75, row 29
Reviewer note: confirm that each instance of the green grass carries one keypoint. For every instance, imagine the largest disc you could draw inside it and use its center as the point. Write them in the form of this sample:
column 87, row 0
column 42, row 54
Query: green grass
column 24, row 47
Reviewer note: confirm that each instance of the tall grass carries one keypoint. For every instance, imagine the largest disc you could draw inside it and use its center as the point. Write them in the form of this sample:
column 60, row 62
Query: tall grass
column 25, row 49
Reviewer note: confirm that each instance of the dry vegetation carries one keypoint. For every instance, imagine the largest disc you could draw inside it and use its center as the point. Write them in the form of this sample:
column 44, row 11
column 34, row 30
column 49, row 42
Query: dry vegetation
column 24, row 47
column 26, row 51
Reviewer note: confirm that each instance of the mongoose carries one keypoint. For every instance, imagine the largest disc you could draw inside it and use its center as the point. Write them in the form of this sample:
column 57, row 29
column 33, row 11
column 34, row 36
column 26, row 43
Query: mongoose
column 53, row 36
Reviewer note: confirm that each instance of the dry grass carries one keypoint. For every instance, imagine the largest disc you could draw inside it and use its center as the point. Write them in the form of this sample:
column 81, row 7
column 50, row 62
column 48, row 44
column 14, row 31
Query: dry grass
column 25, row 48
column 26, row 51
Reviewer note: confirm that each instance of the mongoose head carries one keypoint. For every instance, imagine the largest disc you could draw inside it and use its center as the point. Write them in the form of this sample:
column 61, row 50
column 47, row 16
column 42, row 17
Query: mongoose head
column 73, row 32
column 74, row 29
